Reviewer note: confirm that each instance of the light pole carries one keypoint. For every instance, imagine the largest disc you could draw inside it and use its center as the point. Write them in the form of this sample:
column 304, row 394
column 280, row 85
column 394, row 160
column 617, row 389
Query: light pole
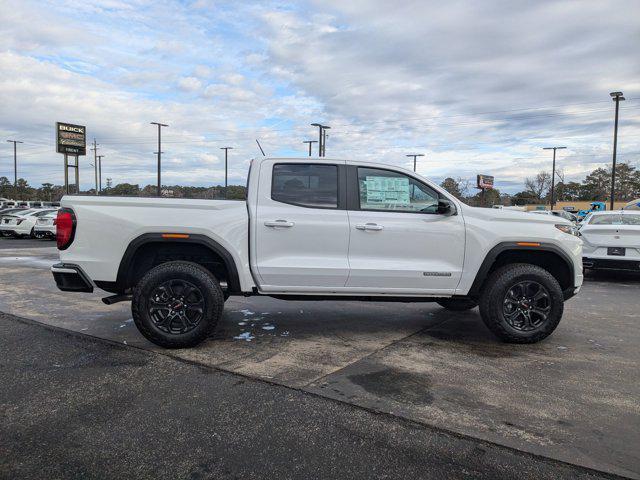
column 226, row 168
column 160, row 125
column 310, row 142
column 553, row 173
column 617, row 97
column 415, row 155
column 95, row 162
column 321, row 137
column 324, row 140
column 100, row 172
column 15, row 166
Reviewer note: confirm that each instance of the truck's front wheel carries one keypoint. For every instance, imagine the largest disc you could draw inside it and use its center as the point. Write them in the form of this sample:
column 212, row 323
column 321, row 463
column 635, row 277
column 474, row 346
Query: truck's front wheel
column 521, row 303
column 177, row 304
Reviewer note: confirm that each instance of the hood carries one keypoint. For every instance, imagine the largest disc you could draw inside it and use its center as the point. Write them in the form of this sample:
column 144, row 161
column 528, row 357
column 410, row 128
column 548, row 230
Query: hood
column 502, row 215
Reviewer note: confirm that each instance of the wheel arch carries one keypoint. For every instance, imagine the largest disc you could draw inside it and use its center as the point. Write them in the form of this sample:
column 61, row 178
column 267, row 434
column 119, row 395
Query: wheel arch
column 548, row 256
column 152, row 249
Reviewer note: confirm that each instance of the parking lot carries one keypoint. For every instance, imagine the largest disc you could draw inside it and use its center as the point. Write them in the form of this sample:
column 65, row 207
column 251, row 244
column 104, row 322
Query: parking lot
column 574, row 397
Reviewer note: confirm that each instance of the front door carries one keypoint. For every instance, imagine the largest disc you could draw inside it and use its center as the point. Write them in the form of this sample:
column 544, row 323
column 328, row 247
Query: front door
column 302, row 228
column 399, row 241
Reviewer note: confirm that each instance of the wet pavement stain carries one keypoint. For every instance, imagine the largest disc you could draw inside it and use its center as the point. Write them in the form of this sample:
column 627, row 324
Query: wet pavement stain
column 398, row 385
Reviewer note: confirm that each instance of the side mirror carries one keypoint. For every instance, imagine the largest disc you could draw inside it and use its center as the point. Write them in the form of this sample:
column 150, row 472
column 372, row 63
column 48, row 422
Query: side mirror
column 446, row 207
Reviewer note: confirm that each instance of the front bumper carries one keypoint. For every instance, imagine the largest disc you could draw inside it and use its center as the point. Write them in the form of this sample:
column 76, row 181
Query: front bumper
column 611, row 264
column 71, row 278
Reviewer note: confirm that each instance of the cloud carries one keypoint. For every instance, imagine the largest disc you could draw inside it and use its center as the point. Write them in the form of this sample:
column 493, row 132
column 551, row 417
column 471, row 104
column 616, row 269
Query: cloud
column 189, row 84
column 479, row 87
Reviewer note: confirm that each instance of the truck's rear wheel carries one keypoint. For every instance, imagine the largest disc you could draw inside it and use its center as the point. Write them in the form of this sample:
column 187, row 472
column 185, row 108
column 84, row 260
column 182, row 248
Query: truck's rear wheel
column 457, row 304
column 177, row 304
column 521, row 303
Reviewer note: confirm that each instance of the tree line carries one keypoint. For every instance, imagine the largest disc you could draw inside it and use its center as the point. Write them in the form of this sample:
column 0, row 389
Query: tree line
column 596, row 186
column 49, row 192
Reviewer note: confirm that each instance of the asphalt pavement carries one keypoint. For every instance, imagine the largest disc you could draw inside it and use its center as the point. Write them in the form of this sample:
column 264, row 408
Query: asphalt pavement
column 7, row 243
column 79, row 407
column 574, row 397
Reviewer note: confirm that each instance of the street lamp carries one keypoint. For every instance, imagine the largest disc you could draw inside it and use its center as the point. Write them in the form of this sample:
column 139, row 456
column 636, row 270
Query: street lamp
column 160, row 125
column 15, row 166
column 310, row 142
column 617, row 97
column 100, row 157
column 321, row 137
column 553, row 172
column 226, row 168
column 415, row 155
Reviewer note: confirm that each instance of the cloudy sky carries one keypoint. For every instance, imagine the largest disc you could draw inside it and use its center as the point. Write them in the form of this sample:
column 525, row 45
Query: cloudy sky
column 478, row 87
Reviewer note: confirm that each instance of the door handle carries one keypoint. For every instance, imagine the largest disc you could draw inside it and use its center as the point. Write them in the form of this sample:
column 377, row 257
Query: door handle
column 369, row 226
column 279, row 223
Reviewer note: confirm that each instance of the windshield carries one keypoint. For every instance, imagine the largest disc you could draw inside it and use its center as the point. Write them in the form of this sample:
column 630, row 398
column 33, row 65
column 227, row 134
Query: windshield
column 615, row 219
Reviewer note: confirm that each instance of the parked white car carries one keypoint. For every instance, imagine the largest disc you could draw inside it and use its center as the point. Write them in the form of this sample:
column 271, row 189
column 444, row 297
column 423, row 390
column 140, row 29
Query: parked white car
column 611, row 239
column 21, row 224
column 558, row 213
column 46, row 226
column 318, row 229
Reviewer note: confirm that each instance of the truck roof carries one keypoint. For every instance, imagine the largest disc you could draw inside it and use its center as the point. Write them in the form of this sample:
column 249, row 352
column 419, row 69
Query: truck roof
column 333, row 159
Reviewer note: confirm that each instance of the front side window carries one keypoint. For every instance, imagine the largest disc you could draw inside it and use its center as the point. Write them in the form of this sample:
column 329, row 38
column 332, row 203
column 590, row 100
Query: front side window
column 305, row 185
column 393, row 191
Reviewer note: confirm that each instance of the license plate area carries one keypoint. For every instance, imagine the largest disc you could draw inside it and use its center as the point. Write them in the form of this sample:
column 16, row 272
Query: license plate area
column 616, row 251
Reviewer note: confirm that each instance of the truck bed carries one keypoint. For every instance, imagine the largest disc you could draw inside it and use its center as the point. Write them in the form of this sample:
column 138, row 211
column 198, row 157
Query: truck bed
column 107, row 225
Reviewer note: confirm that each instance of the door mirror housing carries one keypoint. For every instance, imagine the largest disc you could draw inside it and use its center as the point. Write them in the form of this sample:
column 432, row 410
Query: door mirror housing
column 446, row 207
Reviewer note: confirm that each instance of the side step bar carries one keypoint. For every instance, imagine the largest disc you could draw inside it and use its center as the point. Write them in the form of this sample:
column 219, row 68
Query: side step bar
column 116, row 299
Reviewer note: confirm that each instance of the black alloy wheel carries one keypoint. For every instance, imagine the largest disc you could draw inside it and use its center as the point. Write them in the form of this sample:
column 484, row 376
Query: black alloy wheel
column 526, row 306
column 176, row 306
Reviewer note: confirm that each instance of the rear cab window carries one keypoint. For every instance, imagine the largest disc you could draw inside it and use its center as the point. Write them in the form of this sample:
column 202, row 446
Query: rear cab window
column 305, row 185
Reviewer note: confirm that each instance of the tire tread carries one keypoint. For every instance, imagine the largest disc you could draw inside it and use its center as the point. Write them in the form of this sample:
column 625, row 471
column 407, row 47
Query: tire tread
column 182, row 268
column 491, row 301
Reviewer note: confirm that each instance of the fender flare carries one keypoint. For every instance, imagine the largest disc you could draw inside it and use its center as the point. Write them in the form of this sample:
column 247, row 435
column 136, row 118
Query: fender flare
column 493, row 254
column 123, row 279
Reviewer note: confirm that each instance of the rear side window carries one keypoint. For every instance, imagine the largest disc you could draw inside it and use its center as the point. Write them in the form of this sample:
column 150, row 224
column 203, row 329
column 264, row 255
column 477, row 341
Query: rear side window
column 305, row 185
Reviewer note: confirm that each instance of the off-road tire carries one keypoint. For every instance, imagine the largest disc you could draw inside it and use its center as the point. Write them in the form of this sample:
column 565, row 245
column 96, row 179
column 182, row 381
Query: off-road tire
column 493, row 297
column 196, row 275
column 457, row 304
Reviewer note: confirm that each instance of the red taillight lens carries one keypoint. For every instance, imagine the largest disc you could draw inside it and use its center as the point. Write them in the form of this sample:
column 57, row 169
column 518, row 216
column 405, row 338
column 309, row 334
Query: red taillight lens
column 65, row 228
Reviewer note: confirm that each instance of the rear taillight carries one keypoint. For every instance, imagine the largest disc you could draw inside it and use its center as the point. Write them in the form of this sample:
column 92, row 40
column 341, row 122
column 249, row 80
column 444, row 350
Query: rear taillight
column 66, row 228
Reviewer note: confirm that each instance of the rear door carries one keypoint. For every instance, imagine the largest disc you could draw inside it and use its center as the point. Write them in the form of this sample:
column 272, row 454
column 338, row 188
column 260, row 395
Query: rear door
column 399, row 241
column 301, row 226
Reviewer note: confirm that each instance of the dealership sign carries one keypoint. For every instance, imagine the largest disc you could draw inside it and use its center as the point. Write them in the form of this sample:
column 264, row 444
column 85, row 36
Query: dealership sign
column 485, row 182
column 71, row 139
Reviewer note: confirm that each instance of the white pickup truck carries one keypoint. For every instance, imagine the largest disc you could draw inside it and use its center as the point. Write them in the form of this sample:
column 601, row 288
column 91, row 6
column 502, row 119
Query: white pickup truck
column 318, row 229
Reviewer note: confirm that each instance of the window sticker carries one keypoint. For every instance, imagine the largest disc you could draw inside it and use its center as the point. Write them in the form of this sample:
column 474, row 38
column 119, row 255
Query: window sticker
column 391, row 191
